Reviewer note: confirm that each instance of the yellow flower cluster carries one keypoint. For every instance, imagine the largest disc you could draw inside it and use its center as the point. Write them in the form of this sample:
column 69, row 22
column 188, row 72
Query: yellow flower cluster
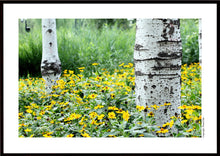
column 162, row 130
column 92, row 104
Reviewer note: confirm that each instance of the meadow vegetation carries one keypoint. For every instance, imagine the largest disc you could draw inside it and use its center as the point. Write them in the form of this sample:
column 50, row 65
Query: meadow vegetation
column 103, row 105
column 85, row 42
column 95, row 94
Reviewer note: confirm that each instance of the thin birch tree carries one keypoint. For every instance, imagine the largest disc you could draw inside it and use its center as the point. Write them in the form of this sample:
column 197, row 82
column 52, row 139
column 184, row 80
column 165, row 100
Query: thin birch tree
column 157, row 59
column 50, row 63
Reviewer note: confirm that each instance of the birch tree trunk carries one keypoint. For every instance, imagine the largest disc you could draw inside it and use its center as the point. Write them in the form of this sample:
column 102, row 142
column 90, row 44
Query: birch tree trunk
column 157, row 59
column 50, row 63
column 200, row 41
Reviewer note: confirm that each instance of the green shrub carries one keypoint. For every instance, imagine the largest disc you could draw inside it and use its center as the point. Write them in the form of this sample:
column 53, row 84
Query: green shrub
column 189, row 35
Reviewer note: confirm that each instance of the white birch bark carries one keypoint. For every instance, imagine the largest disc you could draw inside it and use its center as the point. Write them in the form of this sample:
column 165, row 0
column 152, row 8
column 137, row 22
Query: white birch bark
column 50, row 63
column 200, row 41
column 157, row 59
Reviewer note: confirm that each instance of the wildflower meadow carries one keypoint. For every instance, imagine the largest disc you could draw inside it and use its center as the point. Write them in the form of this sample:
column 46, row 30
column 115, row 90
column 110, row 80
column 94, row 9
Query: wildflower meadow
column 103, row 105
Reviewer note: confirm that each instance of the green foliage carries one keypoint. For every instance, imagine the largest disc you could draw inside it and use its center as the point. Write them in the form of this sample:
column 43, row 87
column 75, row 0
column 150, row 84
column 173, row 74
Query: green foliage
column 84, row 46
column 84, row 41
column 79, row 44
column 30, row 53
column 189, row 35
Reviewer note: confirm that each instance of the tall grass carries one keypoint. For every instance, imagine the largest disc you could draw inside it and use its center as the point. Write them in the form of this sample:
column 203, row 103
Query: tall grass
column 189, row 36
column 85, row 44
column 78, row 47
column 30, row 53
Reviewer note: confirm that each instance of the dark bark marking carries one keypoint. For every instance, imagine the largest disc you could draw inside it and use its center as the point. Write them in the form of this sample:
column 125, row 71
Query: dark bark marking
column 137, row 47
column 139, row 98
column 145, row 88
column 154, row 58
column 170, row 78
column 171, row 90
column 165, row 110
column 163, row 20
column 166, row 89
column 166, row 41
column 152, row 75
column 164, row 35
column 139, row 73
column 55, row 67
column 50, row 44
column 153, row 86
column 171, row 30
column 172, row 67
column 173, row 55
column 161, row 59
column 49, row 30
column 149, row 36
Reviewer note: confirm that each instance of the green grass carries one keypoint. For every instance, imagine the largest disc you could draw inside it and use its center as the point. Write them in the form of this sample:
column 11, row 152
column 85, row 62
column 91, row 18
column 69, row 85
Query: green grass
column 84, row 45
column 78, row 48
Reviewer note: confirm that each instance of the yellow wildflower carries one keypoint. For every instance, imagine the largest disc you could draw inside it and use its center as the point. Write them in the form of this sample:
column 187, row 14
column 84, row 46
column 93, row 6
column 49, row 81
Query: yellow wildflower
column 53, row 102
column 166, row 124
column 81, row 68
column 98, row 106
column 140, row 108
column 182, row 107
column 29, row 111
column 189, row 111
column 167, row 104
column 70, row 136
column 162, row 130
column 100, row 117
column 121, row 64
column 151, row 114
column 155, row 106
column 93, row 122
column 95, row 64
column 190, row 130
column 31, row 135
column 126, row 116
column 111, row 115
column 47, row 135
column 183, row 121
column 171, row 123
column 197, row 107
column 120, row 111
column 85, row 135
column 42, row 113
column 112, row 96
column 93, row 115
column 92, row 96
column 28, row 130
